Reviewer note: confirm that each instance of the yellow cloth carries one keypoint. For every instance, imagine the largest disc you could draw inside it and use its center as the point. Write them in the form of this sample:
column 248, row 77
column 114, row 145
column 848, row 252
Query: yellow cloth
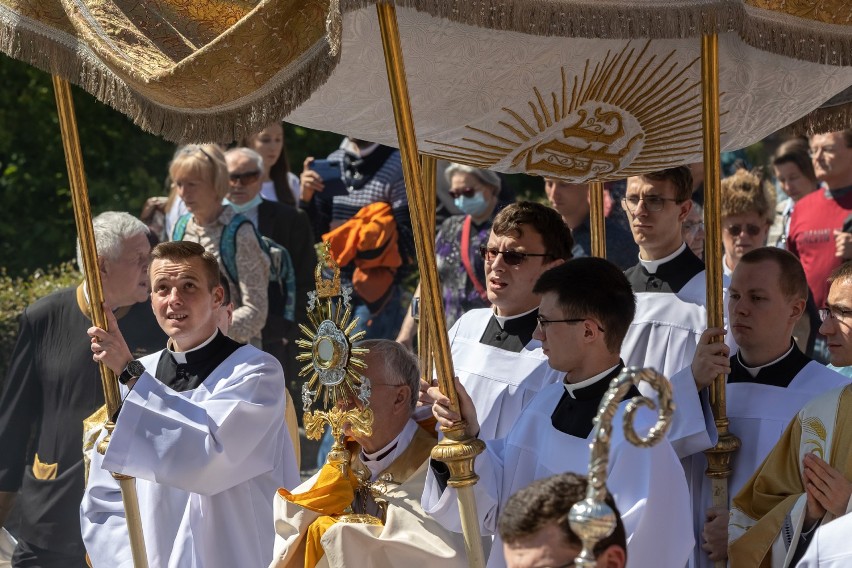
column 331, row 495
column 775, row 487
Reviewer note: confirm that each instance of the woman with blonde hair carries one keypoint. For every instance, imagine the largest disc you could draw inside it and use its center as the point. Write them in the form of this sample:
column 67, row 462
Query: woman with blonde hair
column 200, row 178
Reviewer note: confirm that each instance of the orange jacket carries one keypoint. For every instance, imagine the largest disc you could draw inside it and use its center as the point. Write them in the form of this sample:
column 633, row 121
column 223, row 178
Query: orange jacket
column 370, row 240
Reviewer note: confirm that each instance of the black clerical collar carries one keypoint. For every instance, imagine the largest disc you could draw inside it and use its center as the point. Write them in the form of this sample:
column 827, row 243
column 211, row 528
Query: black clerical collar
column 670, row 276
column 513, row 335
column 575, row 412
column 779, row 373
column 200, row 362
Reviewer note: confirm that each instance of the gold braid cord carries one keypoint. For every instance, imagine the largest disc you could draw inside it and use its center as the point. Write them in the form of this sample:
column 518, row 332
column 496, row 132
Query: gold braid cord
column 592, row 519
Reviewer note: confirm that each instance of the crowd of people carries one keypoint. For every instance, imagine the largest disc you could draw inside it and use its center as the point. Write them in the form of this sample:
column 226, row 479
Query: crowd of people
column 205, row 294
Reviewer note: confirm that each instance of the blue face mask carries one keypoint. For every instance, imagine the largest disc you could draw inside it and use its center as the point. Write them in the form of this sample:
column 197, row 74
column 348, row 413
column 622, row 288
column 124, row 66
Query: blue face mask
column 473, row 206
column 245, row 206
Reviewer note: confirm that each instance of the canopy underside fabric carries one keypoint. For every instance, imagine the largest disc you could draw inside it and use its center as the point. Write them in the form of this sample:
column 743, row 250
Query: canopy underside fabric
column 577, row 90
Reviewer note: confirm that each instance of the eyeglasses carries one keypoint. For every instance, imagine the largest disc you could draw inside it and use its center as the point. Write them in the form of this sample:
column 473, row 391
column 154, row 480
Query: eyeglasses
column 693, row 227
column 543, row 322
column 652, row 202
column 244, row 178
column 835, row 313
column 510, row 257
column 751, row 230
column 464, row 192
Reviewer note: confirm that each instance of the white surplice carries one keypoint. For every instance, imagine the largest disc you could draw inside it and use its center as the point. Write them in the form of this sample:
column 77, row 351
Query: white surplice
column 501, row 383
column 758, row 415
column 647, row 484
column 207, row 463
column 667, row 326
column 831, row 546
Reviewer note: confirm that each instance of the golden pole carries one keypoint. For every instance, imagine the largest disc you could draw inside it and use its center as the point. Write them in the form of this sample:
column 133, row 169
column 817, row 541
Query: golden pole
column 429, row 165
column 719, row 457
column 83, row 219
column 596, row 219
column 456, row 449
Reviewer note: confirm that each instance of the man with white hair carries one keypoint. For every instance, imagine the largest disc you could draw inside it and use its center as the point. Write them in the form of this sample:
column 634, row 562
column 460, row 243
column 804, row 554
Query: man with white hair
column 52, row 385
column 391, row 465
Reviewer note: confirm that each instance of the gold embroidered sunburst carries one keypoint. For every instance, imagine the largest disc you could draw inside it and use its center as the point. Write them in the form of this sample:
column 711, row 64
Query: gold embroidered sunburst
column 629, row 114
column 333, row 363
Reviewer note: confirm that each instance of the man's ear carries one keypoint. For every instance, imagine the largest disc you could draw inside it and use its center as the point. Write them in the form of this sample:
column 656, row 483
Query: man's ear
column 613, row 557
column 685, row 208
column 797, row 308
column 102, row 265
column 218, row 296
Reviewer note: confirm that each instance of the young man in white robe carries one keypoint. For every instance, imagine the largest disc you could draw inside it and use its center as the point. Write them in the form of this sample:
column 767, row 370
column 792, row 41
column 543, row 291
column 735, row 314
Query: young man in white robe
column 395, row 458
column 201, row 428
column 790, row 504
column 585, row 310
column 669, row 280
column 535, row 530
column 495, row 355
column 768, row 381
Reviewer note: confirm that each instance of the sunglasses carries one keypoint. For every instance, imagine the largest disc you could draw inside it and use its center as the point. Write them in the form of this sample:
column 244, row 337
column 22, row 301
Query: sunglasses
column 510, row 257
column 244, row 178
column 751, row 230
column 464, row 192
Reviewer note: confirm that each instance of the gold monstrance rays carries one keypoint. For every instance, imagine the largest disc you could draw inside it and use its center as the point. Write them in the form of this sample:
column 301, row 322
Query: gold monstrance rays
column 628, row 114
column 332, row 388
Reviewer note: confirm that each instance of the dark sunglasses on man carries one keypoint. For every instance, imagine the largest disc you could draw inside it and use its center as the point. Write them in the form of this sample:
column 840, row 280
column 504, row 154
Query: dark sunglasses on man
column 510, row 257
column 243, row 178
column 751, row 230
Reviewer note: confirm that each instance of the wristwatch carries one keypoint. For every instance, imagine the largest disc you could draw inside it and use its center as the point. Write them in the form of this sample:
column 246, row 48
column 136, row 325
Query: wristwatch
column 133, row 370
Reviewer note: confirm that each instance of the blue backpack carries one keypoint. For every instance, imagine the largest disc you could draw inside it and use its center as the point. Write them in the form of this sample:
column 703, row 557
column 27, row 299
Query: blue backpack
column 282, row 280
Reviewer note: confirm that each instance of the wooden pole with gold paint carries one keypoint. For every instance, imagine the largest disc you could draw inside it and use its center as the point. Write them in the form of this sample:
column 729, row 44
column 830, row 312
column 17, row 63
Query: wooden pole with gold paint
column 719, row 457
column 456, row 449
column 85, row 230
column 596, row 219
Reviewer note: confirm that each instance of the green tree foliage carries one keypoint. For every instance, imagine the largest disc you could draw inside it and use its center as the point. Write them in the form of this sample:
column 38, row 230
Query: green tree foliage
column 16, row 293
column 123, row 167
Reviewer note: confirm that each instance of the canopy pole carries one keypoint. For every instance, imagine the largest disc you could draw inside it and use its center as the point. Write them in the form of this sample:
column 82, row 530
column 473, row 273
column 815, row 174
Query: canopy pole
column 719, row 457
column 429, row 165
column 85, row 230
column 596, row 219
column 456, row 449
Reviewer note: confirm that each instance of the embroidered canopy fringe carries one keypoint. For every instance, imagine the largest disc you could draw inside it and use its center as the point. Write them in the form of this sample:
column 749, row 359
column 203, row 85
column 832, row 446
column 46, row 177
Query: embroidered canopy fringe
column 216, row 70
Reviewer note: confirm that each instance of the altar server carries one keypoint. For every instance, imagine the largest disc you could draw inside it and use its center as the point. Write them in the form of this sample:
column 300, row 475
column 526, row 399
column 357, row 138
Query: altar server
column 585, row 310
column 201, row 428
column 495, row 355
column 669, row 280
column 806, row 480
column 768, row 380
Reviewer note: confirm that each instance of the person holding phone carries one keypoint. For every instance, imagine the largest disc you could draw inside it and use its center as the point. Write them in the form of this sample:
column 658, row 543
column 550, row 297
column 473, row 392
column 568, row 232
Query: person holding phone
column 341, row 190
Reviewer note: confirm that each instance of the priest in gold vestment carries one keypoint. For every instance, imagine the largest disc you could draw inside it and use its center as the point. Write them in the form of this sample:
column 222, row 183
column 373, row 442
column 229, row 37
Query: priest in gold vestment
column 386, row 479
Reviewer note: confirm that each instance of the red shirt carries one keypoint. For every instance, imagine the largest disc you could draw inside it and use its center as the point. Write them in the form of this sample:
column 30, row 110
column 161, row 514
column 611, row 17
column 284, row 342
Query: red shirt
column 811, row 238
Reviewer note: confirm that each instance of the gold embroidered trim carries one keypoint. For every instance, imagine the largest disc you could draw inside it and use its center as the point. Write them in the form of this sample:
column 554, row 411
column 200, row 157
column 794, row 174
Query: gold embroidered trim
column 44, row 471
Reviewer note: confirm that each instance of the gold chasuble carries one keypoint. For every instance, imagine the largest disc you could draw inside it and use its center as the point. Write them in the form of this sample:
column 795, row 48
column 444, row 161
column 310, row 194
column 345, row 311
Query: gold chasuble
column 773, row 501
column 308, row 532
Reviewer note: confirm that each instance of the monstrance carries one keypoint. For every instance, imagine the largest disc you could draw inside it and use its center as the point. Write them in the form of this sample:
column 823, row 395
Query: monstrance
column 333, row 363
